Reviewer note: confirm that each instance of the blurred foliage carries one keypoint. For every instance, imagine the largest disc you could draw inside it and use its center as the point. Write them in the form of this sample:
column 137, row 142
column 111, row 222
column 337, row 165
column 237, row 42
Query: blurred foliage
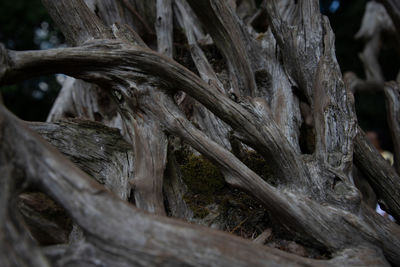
column 18, row 19
column 24, row 26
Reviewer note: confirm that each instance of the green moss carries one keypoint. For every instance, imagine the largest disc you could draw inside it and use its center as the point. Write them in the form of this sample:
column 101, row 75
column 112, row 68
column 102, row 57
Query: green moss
column 201, row 176
column 206, row 185
column 258, row 164
column 197, row 205
column 203, row 180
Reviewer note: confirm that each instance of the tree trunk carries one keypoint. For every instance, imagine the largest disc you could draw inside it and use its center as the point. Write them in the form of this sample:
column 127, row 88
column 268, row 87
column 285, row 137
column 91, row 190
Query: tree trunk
column 197, row 72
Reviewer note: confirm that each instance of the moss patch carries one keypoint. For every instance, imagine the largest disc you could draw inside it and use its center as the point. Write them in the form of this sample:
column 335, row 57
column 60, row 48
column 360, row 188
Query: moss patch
column 201, row 176
column 259, row 165
column 204, row 181
column 239, row 213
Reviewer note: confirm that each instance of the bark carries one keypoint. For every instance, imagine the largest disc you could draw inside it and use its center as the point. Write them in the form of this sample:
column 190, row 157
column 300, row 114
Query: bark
column 312, row 193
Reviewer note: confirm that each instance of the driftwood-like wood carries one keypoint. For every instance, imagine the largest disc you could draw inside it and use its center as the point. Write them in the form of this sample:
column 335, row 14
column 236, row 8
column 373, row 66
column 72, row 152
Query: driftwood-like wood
column 312, row 194
column 98, row 150
column 62, row 179
column 236, row 173
column 382, row 177
column 392, row 93
column 128, row 245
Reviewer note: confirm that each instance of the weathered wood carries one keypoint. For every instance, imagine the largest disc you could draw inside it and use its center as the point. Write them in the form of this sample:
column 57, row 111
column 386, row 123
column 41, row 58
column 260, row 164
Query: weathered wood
column 86, row 201
column 47, row 222
column 392, row 94
column 98, row 150
column 150, row 162
column 334, row 114
column 308, row 60
column 169, row 75
column 313, row 193
column 16, row 245
column 175, row 189
column 382, row 177
column 164, row 27
column 206, row 121
column 227, row 34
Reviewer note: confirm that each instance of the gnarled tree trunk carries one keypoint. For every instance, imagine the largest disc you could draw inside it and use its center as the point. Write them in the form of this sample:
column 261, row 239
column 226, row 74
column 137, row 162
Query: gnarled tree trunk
column 124, row 57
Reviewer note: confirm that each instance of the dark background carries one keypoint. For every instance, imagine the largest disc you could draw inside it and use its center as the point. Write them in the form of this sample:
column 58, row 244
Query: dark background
column 25, row 25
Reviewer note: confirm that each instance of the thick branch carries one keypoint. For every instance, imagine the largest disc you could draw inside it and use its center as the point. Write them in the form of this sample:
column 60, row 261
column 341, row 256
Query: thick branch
column 16, row 245
column 124, row 235
column 334, row 115
column 150, row 161
column 307, row 44
column 379, row 173
column 259, row 130
column 295, row 211
column 151, row 151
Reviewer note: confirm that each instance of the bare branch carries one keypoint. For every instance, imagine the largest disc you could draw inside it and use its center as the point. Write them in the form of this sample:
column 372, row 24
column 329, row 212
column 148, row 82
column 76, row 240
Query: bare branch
column 131, row 244
column 168, row 75
column 16, row 245
column 379, row 173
